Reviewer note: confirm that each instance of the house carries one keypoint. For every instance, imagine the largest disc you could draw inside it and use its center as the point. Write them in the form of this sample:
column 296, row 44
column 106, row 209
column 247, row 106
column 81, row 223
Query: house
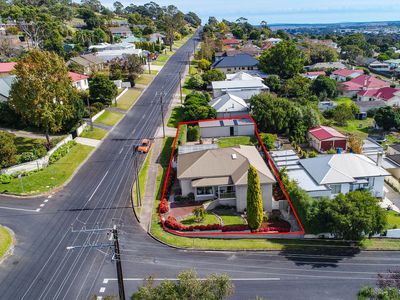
column 393, row 149
column 156, row 38
column 244, row 89
column 233, row 64
column 329, row 175
column 273, row 41
column 393, row 63
column 342, row 75
column 313, row 74
column 79, row 81
column 229, row 105
column 7, row 68
column 379, row 66
column 361, row 83
column 231, row 42
column 326, row 66
column 391, row 96
column 5, row 87
column 249, row 49
column 221, row 174
column 242, row 75
column 225, row 128
column 328, row 43
column 324, row 138
column 120, row 31
column 108, row 52
column 88, row 63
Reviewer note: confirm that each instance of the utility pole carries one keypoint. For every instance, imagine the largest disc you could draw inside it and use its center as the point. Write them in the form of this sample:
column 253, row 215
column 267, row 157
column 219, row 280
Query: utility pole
column 180, row 86
column 117, row 257
column 162, row 114
column 90, row 114
column 148, row 61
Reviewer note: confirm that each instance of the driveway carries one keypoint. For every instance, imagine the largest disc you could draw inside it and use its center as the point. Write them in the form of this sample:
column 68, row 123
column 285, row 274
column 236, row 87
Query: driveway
column 392, row 198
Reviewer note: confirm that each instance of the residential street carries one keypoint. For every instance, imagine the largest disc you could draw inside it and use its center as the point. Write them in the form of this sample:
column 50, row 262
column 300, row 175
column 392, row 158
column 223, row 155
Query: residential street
column 99, row 197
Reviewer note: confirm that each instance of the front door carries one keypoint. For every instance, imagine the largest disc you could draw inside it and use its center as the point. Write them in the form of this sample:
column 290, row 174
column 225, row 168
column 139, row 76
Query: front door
column 232, row 131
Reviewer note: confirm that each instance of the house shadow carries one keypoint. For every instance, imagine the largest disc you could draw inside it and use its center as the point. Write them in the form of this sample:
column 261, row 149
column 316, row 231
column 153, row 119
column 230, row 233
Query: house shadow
column 316, row 253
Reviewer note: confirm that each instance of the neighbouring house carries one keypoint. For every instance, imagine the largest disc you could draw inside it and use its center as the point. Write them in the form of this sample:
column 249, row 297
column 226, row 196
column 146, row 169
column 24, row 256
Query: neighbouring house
column 324, row 66
column 88, row 63
column 231, row 42
column 324, row 138
column 328, row 43
column 156, row 38
column 393, row 63
column 313, row 74
column 221, row 174
column 390, row 95
column 361, row 83
column 329, row 175
column 233, row 64
column 108, row 51
column 5, row 87
column 379, row 66
column 12, row 45
column 120, row 31
column 273, row 41
column 365, row 106
column 243, row 75
column 248, row 48
column 344, row 74
column 229, row 106
column 79, row 81
column 225, row 128
column 393, row 149
column 244, row 89
column 7, row 68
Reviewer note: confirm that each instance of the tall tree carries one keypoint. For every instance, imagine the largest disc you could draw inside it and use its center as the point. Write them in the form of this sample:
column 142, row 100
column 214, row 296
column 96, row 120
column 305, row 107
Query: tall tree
column 255, row 212
column 102, row 89
column 42, row 91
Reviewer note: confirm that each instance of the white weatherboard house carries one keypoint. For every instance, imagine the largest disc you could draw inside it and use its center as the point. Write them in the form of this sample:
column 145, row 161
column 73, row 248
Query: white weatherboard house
column 222, row 174
column 229, row 105
column 244, row 89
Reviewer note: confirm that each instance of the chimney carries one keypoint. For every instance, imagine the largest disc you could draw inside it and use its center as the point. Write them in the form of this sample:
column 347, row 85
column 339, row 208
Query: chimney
column 379, row 159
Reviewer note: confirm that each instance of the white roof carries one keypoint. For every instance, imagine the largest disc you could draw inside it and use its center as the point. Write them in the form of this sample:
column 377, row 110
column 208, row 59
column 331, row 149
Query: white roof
column 341, row 168
column 229, row 103
column 238, row 84
column 242, row 76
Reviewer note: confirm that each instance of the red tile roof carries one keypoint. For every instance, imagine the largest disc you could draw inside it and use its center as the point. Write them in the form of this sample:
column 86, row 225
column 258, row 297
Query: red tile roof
column 385, row 93
column 316, row 73
column 7, row 67
column 230, row 42
column 325, row 132
column 365, row 82
column 76, row 77
column 347, row 72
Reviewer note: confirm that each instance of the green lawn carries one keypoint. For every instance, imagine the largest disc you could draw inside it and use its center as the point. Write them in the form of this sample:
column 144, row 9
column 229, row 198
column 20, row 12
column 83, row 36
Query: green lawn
column 109, row 118
column 343, row 100
column 185, row 89
column 52, row 176
column 176, row 117
column 226, row 142
column 95, row 133
column 393, row 220
column 126, row 101
column 158, row 63
column 142, row 182
column 357, row 127
column 208, row 219
column 144, row 79
column 5, row 240
column 229, row 217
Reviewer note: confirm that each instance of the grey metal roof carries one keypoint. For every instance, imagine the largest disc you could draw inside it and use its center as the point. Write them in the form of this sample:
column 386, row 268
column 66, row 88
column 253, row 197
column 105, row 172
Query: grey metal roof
column 224, row 123
column 239, row 60
column 195, row 148
column 238, row 84
column 229, row 103
column 5, row 85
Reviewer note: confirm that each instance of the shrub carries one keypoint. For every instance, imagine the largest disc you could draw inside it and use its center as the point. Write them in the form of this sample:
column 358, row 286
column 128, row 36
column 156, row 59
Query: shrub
column 26, row 157
column 39, row 151
column 5, row 178
column 268, row 140
column 164, row 206
column 312, row 154
column 234, row 228
column 8, row 150
column 193, row 133
column 182, row 134
column 61, row 152
column 195, row 82
column 199, row 213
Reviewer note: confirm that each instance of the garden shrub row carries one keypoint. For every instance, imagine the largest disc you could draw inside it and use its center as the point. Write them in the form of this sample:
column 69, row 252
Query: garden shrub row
column 173, row 224
column 164, row 206
column 61, row 152
column 182, row 134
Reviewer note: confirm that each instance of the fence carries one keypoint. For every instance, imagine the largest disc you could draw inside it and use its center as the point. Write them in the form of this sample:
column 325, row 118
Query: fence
column 36, row 164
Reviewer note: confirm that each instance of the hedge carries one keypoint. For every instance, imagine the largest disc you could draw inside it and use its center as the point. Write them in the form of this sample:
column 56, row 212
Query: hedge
column 193, row 133
column 182, row 134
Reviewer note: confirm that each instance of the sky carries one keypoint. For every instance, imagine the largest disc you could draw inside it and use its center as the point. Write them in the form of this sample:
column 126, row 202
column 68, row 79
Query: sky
column 286, row 11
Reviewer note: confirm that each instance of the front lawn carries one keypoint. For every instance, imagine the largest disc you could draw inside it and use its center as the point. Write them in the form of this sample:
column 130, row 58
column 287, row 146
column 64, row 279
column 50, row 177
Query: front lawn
column 52, row 176
column 226, row 142
column 229, row 216
column 95, row 133
column 176, row 117
column 208, row 219
column 109, row 118
column 144, row 79
column 5, row 240
column 393, row 220
column 128, row 99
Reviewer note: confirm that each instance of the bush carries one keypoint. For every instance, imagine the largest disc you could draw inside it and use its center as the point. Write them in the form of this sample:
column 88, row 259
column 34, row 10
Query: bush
column 61, row 152
column 164, row 206
column 193, row 133
column 182, row 134
column 199, row 213
column 39, row 151
column 8, row 150
column 195, row 82
column 5, row 178
column 312, row 154
column 26, row 157
column 268, row 140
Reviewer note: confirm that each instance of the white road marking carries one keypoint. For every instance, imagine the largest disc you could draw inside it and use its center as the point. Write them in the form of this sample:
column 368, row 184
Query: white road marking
column 106, row 280
column 102, row 290
column 122, row 149
column 37, row 209
column 45, row 201
column 101, row 181
column 41, row 205
column 14, row 208
column 99, row 298
column 49, row 196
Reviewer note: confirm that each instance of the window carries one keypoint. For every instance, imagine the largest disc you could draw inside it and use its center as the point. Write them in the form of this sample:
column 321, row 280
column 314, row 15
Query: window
column 201, row 191
column 335, row 188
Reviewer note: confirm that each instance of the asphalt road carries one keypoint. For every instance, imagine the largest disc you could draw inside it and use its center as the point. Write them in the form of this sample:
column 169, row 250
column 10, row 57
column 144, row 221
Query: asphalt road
column 99, row 197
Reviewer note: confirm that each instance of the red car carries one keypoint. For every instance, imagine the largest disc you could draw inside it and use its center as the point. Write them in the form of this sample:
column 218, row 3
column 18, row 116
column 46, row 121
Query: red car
column 145, row 146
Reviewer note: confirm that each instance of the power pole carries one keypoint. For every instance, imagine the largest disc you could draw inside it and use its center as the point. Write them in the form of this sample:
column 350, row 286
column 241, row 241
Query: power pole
column 162, row 114
column 148, row 61
column 90, row 113
column 180, row 86
column 117, row 257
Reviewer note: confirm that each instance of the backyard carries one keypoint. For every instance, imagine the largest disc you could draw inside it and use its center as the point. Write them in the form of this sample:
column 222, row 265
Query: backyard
column 226, row 142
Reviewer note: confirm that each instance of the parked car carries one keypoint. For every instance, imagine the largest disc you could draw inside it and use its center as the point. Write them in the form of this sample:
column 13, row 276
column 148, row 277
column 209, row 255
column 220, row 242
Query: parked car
column 145, row 146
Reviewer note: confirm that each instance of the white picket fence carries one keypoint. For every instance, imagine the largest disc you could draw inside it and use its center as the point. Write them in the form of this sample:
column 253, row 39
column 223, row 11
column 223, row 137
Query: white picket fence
column 36, row 164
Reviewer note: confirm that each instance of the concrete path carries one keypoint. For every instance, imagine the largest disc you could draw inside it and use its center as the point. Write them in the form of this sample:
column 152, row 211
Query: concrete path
column 27, row 134
column 102, row 126
column 151, row 184
column 153, row 67
column 392, row 199
column 116, row 109
column 88, row 142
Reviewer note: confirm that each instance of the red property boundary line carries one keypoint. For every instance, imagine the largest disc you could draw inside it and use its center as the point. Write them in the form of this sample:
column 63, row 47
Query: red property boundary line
column 216, row 234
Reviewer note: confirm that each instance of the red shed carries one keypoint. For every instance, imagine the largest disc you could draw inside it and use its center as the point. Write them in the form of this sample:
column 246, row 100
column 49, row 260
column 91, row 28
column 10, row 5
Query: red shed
column 324, row 138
